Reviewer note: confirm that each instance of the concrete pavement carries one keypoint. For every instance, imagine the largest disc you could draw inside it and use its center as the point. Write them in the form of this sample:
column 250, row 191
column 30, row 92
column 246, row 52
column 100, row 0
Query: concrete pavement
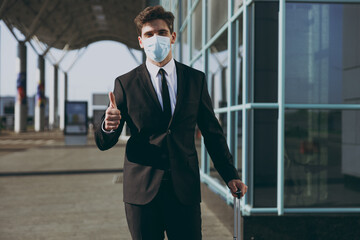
column 52, row 191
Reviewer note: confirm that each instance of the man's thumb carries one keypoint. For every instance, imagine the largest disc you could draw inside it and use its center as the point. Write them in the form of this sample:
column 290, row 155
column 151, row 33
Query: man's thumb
column 112, row 100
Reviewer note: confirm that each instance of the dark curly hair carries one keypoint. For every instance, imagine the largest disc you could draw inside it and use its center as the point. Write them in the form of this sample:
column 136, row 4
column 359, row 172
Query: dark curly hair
column 153, row 13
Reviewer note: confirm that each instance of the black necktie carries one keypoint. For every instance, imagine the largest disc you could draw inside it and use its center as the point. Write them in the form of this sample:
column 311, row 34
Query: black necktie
column 166, row 99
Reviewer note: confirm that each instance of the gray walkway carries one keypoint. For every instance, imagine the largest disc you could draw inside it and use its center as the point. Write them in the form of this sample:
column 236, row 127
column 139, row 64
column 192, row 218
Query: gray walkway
column 54, row 198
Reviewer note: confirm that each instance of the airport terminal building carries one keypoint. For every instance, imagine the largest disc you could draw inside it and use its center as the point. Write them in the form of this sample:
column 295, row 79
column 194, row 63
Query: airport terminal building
column 284, row 79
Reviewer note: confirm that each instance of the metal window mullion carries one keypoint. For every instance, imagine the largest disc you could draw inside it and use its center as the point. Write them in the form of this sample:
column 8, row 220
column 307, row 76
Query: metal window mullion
column 192, row 8
column 249, row 210
column 205, row 164
column 216, row 36
column 189, row 30
column 0, row 56
column 281, row 117
column 230, row 71
column 221, row 110
column 236, row 87
column 262, row 105
column 179, row 37
column 184, row 25
column 237, row 14
column 326, row 1
column 184, row 21
column 249, row 89
column 323, row 106
column 248, row 2
column 244, row 101
column 322, row 210
column 195, row 58
column 252, row 54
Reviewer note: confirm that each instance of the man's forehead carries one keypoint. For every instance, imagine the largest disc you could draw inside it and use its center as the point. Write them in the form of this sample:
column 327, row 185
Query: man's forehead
column 155, row 25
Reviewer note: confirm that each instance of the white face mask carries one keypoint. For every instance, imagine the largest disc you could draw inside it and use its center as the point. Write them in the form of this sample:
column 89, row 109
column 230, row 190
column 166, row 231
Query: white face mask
column 157, row 47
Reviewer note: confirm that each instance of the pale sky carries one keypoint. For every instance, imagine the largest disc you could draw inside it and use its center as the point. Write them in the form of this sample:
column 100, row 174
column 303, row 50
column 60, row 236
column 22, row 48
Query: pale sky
column 94, row 72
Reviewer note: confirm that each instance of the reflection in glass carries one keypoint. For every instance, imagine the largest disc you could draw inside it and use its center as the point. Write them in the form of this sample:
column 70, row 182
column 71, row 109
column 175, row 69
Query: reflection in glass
column 184, row 8
column 322, row 166
column 176, row 20
column 265, row 56
column 236, row 86
column 250, row 52
column 322, row 64
column 185, row 46
column 217, row 16
column 198, row 64
column 197, row 29
column 237, row 4
column 265, row 157
column 218, row 61
column 236, row 139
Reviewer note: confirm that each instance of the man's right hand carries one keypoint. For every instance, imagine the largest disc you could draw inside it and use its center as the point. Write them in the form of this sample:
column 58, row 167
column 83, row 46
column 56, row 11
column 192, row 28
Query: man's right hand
column 112, row 115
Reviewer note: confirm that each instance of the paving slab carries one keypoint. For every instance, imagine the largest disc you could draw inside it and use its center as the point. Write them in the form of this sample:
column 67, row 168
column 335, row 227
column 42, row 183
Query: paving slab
column 73, row 205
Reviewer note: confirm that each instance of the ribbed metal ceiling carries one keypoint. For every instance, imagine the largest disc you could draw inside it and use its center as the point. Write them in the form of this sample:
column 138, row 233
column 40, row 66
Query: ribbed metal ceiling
column 74, row 22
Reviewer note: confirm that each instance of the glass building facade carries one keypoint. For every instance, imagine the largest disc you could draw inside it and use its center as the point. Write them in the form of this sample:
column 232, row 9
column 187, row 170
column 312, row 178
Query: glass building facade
column 284, row 77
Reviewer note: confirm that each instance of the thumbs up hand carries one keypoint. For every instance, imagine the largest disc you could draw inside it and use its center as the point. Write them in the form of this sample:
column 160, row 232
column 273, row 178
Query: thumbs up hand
column 112, row 114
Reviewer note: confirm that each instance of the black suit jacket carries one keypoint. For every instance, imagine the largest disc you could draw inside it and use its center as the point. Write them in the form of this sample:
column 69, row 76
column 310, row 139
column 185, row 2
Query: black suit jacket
column 137, row 100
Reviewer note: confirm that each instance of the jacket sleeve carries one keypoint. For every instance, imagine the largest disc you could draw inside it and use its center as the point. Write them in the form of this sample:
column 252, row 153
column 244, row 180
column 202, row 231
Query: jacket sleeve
column 105, row 140
column 214, row 138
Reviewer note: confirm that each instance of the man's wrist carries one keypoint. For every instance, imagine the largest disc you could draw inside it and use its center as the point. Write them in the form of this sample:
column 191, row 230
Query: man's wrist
column 104, row 130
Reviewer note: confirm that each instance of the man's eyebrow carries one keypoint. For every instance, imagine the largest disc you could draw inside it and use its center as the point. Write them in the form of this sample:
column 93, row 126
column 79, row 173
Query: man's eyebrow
column 154, row 31
column 148, row 32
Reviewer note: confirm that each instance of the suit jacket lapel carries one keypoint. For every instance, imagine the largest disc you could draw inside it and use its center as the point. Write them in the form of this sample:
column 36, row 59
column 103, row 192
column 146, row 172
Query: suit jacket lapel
column 148, row 86
column 181, row 81
column 150, row 90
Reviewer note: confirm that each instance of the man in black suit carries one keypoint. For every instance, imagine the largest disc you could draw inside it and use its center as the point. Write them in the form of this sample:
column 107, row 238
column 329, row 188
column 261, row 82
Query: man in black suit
column 162, row 101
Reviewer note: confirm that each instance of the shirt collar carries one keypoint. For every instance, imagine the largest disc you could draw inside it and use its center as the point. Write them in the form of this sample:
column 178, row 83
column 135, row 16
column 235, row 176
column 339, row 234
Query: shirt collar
column 154, row 70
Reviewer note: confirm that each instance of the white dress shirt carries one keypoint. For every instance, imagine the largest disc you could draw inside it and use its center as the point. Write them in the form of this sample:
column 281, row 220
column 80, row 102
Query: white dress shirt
column 171, row 79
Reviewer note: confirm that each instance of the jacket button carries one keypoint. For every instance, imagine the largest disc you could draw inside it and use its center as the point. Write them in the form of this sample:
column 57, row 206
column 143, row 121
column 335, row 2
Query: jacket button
column 168, row 131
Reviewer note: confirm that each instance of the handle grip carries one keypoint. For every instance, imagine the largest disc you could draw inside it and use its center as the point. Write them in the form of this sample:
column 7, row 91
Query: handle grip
column 238, row 193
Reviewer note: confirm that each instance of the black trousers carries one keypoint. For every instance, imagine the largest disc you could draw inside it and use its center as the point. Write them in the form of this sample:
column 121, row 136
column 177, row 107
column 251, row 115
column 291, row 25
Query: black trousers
column 164, row 214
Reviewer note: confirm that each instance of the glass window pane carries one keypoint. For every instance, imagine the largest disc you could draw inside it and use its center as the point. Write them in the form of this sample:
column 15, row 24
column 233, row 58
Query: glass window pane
column 236, row 141
column 322, row 49
column 237, row 4
column 322, row 150
column 249, row 58
column 197, row 29
column 176, row 20
column 218, row 79
column 185, row 46
column 236, row 86
column 217, row 16
column 184, row 11
column 175, row 47
column 265, row 56
column 265, row 157
column 198, row 64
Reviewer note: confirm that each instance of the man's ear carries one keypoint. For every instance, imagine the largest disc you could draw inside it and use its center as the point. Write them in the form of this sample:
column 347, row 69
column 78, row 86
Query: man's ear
column 140, row 42
column 173, row 38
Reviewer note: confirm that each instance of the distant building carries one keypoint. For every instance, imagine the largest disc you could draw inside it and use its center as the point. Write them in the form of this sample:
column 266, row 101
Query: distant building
column 7, row 104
